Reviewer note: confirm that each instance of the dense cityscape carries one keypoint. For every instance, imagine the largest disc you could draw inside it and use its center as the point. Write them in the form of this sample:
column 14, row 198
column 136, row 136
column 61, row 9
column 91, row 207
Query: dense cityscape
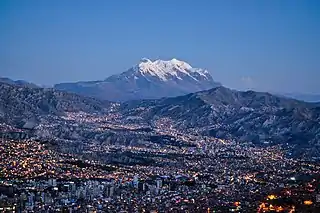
column 174, row 173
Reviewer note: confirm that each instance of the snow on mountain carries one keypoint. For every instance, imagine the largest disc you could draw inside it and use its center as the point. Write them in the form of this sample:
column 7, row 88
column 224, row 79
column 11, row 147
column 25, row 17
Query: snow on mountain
column 147, row 80
column 164, row 69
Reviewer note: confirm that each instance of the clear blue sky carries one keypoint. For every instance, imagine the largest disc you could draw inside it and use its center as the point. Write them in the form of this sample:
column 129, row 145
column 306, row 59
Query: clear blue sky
column 269, row 45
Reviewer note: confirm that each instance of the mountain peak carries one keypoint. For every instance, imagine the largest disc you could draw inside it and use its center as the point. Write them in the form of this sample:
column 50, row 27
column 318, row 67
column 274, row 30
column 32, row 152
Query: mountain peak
column 166, row 70
column 180, row 63
column 145, row 60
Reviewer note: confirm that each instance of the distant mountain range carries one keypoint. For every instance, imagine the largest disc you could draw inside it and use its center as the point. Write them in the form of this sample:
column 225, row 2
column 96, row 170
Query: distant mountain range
column 147, row 80
column 304, row 97
column 150, row 80
column 17, row 82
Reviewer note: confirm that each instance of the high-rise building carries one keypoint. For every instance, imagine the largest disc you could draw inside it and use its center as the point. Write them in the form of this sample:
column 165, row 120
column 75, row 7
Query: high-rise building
column 135, row 181
column 52, row 182
column 109, row 190
column 159, row 183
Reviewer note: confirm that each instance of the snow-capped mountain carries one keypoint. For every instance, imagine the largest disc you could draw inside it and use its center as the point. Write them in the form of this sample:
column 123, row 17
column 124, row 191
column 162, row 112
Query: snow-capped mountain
column 167, row 70
column 147, row 80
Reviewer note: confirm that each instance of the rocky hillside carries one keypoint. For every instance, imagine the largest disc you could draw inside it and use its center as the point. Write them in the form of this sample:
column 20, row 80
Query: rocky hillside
column 19, row 104
column 244, row 116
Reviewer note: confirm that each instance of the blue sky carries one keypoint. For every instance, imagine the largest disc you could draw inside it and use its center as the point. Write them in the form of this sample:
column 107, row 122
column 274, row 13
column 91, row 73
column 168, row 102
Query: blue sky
column 269, row 45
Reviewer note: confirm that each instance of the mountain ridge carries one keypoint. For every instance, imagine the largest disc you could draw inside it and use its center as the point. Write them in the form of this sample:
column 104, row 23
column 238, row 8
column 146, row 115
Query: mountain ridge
column 229, row 114
column 220, row 112
column 20, row 104
column 17, row 82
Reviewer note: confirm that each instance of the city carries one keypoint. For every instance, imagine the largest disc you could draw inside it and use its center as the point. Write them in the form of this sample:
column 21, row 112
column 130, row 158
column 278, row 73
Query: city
column 198, row 174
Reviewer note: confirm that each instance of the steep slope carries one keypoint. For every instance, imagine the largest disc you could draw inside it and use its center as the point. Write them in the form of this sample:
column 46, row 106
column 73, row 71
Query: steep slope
column 244, row 116
column 19, row 104
column 147, row 80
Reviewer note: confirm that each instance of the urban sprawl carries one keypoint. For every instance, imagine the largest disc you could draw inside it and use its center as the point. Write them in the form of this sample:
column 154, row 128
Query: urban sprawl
column 158, row 170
